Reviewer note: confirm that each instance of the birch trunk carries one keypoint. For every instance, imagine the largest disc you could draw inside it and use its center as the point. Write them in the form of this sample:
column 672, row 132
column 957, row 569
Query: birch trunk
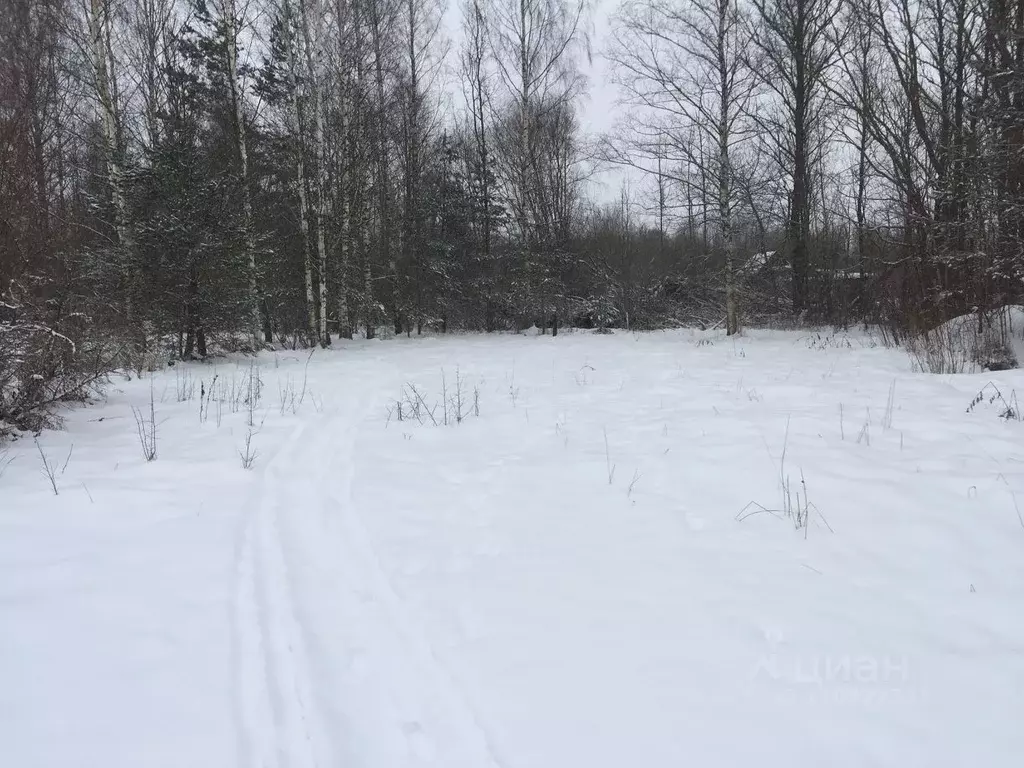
column 382, row 170
column 525, row 147
column 97, row 22
column 412, row 245
column 473, row 63
column 725, row 170
column 345, row 174
column 227, row 12
column 345, row 226
column 360, row 134
column 300, row 170
column 311, row 34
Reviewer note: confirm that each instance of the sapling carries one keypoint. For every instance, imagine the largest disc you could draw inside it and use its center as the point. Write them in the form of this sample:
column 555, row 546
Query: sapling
column 458, row 397
column 249, row 453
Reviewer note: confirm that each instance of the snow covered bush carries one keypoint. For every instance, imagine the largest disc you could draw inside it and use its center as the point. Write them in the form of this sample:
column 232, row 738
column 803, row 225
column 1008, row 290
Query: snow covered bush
column 992, row 341
column 43, row 364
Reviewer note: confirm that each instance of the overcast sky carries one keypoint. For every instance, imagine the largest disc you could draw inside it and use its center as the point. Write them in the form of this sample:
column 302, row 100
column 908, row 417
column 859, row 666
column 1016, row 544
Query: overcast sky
column 597, row 109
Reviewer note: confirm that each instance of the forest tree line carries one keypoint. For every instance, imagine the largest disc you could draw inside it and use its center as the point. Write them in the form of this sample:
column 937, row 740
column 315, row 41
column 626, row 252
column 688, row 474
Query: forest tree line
column 176, row 174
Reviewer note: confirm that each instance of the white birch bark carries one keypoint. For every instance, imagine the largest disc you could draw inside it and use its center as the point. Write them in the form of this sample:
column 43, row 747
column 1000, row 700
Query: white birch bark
column 725, row 169
column 345, row 174
column 311, row 24
column 98, row 20
column 227, row 12
column 300, row 167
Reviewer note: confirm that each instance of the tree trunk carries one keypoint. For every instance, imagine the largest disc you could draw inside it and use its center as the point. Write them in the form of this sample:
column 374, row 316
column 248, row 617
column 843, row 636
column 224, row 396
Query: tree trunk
column 300, row 170
column 227, row 12
column 311, row 34
column 346, row 175
column 725, row 171
column 98, row 21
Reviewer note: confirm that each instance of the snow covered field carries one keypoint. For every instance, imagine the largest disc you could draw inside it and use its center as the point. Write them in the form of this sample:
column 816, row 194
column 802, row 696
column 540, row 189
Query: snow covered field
column 597, row 567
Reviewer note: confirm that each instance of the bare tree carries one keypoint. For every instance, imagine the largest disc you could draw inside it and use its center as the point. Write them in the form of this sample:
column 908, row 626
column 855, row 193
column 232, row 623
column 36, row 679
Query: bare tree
column 423, row 53
column 797, row 47
column 534, row 44
column 477, row 84
column 99, row 23
column 227, row 11
column 347, row 175
column 685, row 65
column 857, row 92
column 381, row 18
column 150, row 31
column 923, row 123
column 298, row 131
column 311, row 24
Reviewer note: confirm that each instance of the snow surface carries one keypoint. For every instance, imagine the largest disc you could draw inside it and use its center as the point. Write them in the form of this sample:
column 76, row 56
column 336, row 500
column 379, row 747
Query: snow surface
column 957, row 345
column 567, row 579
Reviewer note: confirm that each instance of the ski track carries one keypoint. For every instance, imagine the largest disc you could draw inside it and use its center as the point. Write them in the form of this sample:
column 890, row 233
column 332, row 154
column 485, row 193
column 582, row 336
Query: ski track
column 330, row 668
column 485, row 597
column 258, row 678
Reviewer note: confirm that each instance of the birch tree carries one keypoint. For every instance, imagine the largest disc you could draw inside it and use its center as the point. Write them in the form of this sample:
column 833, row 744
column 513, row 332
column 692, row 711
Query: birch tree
column 686, row 64
column 347, row 173
column 151, row 30
column 311, row 24
column 227, row 11
column 534, row 44
column 477, row 85
column 99, row 22
column 298, row 131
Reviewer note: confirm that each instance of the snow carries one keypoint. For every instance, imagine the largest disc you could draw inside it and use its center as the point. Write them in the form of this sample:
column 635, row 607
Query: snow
column 566, row 579
column 958, row 345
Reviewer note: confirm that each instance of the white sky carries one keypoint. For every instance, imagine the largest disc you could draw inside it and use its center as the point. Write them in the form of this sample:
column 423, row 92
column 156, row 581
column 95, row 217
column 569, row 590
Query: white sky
column 597, row 109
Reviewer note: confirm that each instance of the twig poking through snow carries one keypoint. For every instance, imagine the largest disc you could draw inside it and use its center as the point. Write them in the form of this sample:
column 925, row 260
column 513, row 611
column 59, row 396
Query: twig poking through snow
column 796, row 505
column 145, row 428
column 865, row 431
column 64, row 468
column 48, row 469
column 633, row 482
column 887, row 418
column 305, row 375
column 608, row 459
column 1013, row 498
